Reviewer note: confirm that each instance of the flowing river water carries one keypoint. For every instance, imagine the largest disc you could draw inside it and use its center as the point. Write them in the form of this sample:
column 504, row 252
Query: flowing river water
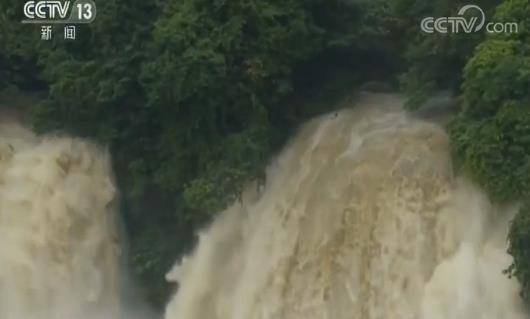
column 361, row 217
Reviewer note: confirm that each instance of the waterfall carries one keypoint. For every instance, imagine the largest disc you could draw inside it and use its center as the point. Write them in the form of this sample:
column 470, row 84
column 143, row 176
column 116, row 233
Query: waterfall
column 60, row 245
column 361, row 217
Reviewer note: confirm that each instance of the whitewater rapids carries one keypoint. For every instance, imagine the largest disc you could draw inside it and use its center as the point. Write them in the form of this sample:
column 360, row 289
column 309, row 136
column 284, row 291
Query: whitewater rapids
column 361, row 217
column 59, row 239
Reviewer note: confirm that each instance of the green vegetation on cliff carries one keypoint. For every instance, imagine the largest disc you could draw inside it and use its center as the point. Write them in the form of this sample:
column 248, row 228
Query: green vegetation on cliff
column 491, row 136
column 194, row 97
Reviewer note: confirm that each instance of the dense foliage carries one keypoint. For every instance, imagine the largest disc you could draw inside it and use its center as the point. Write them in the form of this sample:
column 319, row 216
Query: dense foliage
column 194, row 96
column 491, row 137
column 490, row 73
column 519, row 243
column 435, row 61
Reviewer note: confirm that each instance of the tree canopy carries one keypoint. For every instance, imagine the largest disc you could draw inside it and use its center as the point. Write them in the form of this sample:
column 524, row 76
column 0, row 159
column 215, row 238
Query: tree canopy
column 193, row 97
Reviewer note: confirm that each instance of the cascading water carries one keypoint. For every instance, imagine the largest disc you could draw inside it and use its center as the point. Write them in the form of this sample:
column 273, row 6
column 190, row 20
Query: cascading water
column 361, row 218
column 59, row 249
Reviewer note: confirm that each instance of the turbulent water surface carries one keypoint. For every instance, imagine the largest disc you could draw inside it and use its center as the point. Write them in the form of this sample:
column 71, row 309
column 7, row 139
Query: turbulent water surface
column 361, row 217
column 59, row 249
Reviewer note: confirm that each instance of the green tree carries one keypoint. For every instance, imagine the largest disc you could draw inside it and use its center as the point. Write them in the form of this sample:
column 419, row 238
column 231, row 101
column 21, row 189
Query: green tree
column 491, row 136
column 192, row 97
column 434, row 61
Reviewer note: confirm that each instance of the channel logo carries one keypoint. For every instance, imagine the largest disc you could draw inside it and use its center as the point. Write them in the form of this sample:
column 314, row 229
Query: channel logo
column 55, row 11
column 467, row 23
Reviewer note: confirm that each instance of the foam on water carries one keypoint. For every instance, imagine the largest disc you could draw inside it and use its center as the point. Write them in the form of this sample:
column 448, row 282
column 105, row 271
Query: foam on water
column 59, row 247
column 361, row 217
